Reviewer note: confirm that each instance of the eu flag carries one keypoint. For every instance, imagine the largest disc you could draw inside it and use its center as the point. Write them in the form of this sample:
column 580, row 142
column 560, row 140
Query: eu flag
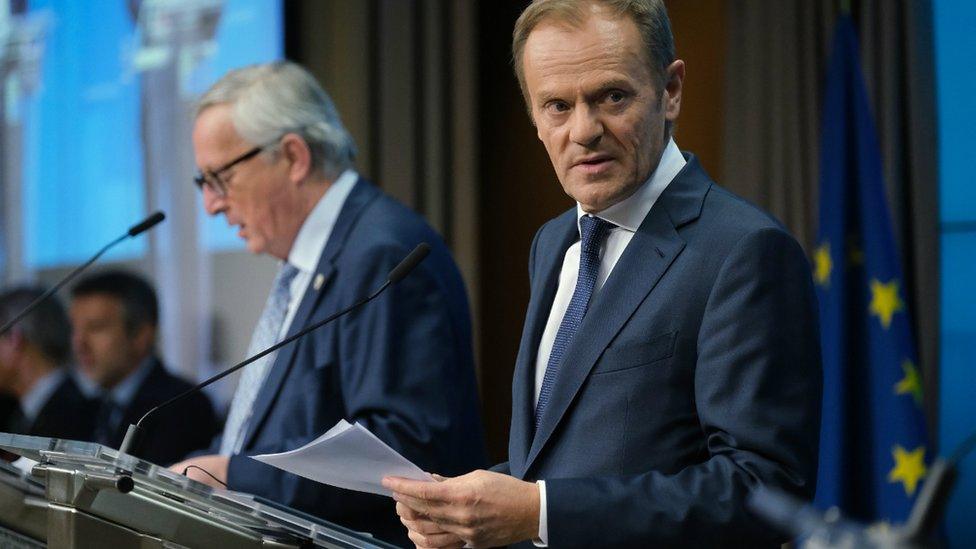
column 873, row 447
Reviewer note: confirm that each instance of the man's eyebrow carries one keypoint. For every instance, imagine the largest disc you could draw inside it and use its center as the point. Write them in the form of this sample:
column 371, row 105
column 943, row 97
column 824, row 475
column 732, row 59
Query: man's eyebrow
column 545, row 96
column 615, row 84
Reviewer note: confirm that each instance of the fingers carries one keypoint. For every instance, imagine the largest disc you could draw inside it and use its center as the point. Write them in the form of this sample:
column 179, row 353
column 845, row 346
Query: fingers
column 408, row 513
column 444, row 540
column 424, row 490
column 424, row 532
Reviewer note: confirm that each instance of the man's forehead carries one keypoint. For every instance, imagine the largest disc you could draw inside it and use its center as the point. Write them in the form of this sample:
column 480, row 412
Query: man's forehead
column 96, row 304
column 597, row 33
column 557, row 51
column 214, row 129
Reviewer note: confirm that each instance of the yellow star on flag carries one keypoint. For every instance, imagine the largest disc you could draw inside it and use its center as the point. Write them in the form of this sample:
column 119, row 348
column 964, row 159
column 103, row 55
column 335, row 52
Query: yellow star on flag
column 911, row 383
column 823, row 265
column 885, row 301
column 909, row 467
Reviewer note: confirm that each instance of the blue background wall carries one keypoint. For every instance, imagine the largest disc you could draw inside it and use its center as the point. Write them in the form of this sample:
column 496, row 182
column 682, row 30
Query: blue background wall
column 83, row 156
column 955, row 45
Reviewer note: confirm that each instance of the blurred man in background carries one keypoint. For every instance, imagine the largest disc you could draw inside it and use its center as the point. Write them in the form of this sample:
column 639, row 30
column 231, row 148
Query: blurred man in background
column 114, row 317
column 33, row 358
column 277, row 162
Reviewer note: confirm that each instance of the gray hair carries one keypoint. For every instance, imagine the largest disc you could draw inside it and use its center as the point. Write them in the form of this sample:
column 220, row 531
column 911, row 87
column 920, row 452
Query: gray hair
column 46, row 328
column 650, row 16
column 269, row 100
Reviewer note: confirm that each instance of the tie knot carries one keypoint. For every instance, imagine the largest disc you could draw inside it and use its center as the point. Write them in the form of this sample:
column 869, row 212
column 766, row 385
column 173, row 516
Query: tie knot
column 593, row 231
column 286, row 274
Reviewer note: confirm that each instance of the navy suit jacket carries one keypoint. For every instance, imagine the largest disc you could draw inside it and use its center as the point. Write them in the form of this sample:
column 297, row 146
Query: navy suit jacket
column 694, row 377
column 174, row 432
column 401, row 365
column 66, row 414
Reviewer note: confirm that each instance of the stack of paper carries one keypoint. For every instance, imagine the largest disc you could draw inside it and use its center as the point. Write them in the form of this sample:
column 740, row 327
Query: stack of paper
column 347, row 456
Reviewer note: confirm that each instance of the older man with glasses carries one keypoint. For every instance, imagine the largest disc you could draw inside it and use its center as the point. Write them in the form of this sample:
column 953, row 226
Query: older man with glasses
column 276, row 161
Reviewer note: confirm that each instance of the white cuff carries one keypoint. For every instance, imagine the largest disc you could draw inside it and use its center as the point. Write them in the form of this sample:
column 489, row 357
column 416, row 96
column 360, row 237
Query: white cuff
column 543, row 539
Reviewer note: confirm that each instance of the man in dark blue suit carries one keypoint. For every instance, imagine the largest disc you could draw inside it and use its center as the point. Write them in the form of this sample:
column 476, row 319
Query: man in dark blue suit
column 114, row 321
column 669, row 360
column 277, row 162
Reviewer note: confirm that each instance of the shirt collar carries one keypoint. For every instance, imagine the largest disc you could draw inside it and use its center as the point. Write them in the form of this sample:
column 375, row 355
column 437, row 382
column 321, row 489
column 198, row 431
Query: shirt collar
column 123, row 393
column 40, row 393
column 630, row 212
column 318, row 225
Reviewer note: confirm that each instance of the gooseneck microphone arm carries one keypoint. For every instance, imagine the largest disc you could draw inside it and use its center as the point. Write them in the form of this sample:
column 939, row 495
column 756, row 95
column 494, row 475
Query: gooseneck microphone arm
column 136, row 229
column 134, row 433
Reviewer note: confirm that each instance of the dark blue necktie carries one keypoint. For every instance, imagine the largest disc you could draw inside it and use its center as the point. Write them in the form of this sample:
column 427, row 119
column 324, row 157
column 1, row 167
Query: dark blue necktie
column 593, row 231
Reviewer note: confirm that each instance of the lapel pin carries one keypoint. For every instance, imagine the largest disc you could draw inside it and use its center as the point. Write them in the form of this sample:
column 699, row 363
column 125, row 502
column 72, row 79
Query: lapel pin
column 319, row 280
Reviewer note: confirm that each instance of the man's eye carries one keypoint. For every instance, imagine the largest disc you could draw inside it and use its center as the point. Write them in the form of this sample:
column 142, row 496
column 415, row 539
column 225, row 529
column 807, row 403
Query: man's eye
column 615, row 96
column 557, row 107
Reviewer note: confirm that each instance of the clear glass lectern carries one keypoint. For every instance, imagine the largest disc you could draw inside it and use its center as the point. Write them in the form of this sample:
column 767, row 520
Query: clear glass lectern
column 88, row 495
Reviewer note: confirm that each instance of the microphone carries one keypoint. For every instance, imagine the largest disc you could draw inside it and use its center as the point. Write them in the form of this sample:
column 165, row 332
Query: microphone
column 146, row 224
column 134, row 433
column 830, row 529
column 134, row 230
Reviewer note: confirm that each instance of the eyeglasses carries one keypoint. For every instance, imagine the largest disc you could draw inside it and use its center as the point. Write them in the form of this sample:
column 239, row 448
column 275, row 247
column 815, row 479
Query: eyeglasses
column 212, row 178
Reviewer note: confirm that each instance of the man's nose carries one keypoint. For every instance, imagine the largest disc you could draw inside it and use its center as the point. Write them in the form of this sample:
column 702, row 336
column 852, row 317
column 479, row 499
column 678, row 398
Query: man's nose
column 586, row 128
column 213, row 203
column 77, row 340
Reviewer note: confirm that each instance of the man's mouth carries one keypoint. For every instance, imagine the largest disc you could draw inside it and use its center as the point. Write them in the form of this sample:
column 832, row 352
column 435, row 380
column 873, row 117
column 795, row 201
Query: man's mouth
column 594, row 164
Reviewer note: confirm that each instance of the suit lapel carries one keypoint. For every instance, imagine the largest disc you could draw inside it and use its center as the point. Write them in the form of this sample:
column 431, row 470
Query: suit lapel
column 545, row 279
column 361, row 195
column 648, row 256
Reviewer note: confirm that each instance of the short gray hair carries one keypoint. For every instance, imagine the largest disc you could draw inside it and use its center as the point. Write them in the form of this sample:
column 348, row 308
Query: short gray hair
column 272, row 99
column 650, row 16
column 46, row 328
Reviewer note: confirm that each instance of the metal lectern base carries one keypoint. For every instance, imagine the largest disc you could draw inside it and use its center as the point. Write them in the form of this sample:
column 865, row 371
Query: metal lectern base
column 69, row 528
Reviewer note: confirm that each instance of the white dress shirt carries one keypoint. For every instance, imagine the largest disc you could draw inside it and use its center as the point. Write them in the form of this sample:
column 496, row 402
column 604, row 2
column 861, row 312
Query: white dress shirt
column 627, row 215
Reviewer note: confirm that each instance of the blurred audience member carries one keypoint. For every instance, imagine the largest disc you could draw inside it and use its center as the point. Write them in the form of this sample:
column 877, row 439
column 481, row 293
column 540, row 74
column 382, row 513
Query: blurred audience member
column 43, row 399
column 114, row 317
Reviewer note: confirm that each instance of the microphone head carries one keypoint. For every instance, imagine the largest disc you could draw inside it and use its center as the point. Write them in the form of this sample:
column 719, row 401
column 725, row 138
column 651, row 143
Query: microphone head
column 412, row 260
column 147, row 223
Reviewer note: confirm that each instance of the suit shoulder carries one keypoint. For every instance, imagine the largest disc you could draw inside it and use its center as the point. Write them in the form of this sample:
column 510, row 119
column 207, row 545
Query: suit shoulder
column 166, row 385
column 386, row 221
column 729, row 217
column 556, row 225
column 386, row 231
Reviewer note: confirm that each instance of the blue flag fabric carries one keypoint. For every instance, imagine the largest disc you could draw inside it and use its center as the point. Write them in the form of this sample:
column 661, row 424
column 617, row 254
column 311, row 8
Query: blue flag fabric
column 873, row 448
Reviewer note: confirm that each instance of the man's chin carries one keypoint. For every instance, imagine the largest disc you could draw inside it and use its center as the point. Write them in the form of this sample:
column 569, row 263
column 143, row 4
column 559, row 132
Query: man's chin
column 254, row 246
column 596, row 200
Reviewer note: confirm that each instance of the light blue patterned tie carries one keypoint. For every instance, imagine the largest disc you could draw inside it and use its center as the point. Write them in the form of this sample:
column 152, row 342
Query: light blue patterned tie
column 593, row 232
column 265, row 335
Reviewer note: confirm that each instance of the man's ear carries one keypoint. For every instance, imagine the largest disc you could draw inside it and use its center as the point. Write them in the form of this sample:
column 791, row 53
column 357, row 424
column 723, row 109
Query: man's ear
column 298, row 155
column 675, row 75
column 144, row 338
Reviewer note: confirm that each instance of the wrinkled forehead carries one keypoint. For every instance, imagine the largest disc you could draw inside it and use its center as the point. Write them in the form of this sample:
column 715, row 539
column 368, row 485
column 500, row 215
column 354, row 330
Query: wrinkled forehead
column 557, row 53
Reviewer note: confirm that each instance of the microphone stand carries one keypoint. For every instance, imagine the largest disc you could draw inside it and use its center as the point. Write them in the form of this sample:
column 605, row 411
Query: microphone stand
column 830, row 531
column 133, row 434
column 136, row 229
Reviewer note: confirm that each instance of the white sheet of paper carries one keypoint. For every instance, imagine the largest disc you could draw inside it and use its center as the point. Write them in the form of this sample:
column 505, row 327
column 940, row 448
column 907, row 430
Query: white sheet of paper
column 347, row 456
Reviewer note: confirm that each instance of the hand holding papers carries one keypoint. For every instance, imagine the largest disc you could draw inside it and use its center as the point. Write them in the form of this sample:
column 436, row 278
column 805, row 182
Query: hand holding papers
column 347, row 456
